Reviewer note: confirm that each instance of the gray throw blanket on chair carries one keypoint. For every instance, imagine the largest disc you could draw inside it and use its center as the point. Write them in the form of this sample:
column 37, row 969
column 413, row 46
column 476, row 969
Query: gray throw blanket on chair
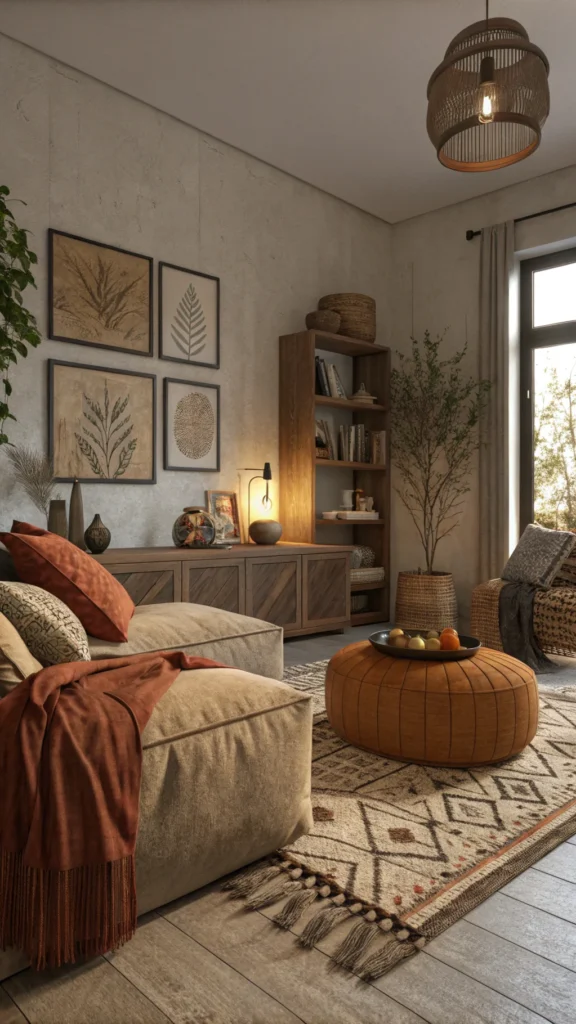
column 516, row 618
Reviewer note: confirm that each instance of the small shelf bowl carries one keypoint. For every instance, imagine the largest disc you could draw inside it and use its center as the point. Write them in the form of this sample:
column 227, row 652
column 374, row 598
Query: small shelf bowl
column 379, row 640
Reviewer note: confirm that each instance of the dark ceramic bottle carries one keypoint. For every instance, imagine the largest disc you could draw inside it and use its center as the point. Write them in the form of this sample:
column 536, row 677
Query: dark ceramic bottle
column 97, row 536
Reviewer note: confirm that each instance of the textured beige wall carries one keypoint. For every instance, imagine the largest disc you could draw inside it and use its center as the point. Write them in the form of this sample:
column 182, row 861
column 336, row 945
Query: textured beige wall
column 446, row 281
column 92, row 161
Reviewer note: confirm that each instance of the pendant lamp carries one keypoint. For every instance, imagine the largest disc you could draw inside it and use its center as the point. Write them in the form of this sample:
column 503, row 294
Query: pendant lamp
column 488, row 99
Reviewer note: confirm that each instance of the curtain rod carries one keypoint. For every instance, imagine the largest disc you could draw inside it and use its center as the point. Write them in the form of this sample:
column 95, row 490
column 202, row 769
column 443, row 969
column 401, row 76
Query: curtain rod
column 529, row 216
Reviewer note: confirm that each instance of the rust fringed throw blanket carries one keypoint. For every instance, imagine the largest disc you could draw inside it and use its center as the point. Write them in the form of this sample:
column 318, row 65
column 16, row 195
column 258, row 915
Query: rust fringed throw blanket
column 70, row 767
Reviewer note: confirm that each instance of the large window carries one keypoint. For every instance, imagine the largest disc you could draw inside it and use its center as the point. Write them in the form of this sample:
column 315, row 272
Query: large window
column 548, row 391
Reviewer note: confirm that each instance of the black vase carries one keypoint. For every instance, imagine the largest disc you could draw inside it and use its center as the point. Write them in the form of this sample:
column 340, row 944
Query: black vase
column 97, row 536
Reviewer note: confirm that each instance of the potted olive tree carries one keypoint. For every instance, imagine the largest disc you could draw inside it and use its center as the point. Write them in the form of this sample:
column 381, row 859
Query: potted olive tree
column 435, row 414
column 18, row 328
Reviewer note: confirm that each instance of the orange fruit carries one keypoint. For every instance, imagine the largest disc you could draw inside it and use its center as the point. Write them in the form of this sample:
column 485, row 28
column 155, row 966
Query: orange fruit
column 449, row 630
column 449, row 642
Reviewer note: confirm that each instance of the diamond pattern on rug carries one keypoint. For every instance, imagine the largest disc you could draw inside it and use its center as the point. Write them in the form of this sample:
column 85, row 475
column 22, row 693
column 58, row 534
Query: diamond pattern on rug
column 413, row 839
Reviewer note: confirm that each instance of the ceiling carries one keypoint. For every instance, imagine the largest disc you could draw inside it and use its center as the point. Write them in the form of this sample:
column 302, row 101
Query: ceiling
column 332, row 91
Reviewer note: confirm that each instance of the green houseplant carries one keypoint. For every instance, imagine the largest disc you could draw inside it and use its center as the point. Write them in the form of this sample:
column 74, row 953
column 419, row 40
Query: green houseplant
column 435, row 413
column 18, row 327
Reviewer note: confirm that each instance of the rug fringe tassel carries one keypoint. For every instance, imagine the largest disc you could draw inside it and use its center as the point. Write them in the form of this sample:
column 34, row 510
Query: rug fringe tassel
column 322, row 924
column 247, row 883
column 351, row 950
column 295, row 907
column 284, row 879
column 271, row 894
column 385, row 958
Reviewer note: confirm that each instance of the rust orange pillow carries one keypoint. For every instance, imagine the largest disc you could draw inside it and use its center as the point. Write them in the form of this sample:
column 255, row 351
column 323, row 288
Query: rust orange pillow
column 53, row 563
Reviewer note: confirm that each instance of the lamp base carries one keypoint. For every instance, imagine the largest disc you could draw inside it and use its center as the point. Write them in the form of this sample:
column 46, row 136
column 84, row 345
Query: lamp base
column 265, row 531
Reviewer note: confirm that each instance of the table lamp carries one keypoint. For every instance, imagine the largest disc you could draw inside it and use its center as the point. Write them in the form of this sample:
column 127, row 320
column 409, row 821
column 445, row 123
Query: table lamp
column 263, row 531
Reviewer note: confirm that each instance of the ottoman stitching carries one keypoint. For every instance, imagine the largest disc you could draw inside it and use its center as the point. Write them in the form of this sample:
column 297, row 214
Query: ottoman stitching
column 300, row 699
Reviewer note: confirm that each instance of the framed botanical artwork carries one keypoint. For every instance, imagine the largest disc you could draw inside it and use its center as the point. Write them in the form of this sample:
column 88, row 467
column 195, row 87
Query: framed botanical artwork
column 101, row 424
column 223, row 505
column 191, row 426
column 99, row 295
column 189, row 316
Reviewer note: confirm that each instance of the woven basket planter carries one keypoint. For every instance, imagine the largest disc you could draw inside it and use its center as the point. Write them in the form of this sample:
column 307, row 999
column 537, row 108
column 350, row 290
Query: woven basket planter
column 426, row 601
column 357, row 314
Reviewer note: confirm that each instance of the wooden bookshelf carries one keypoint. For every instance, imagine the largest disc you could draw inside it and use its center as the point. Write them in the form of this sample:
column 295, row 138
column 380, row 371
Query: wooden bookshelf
column 298, row 462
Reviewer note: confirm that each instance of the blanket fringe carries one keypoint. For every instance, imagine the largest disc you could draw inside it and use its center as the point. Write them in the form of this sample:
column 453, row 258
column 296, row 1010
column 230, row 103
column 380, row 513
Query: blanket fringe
column 58, row 917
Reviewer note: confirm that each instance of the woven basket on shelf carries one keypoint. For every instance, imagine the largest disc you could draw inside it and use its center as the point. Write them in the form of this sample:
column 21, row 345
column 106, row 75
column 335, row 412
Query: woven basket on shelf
column 373, row 575
column 323, row 320
column 426, row 601
column 357, row 314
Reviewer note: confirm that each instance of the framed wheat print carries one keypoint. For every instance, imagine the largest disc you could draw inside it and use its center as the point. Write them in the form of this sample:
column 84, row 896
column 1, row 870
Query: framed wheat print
column 191, row 426
column 189, row 316
column 99, row 295
column 101, row 424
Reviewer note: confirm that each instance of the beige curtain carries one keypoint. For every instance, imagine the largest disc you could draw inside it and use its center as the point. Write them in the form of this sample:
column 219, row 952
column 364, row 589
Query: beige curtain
column 496, row 272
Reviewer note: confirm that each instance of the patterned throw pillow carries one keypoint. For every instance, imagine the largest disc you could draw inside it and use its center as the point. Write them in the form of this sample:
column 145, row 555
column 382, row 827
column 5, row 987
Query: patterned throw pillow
column 538, row 555
column 16, row 662
column 51, row 632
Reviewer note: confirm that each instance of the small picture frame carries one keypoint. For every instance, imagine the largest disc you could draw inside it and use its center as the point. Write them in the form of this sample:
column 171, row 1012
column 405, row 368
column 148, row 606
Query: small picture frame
column 101, row 424
column 99, row 295
column 225, row 508
column 191, row 426
column 189, row 316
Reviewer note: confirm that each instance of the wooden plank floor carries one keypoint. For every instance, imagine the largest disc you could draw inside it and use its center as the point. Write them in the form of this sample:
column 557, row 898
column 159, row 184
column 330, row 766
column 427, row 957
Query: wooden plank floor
column 203, row 960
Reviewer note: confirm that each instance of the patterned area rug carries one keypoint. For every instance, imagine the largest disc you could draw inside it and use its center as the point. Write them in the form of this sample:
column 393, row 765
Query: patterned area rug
column 399, row 852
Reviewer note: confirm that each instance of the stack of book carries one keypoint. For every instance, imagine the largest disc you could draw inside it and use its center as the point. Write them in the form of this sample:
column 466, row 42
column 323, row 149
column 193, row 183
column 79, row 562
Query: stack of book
column 356, row 444
column 328, row 381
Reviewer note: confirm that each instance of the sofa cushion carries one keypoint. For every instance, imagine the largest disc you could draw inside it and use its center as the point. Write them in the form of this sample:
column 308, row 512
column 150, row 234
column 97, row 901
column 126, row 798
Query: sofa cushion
column 16, row 661
column 246, row 643
column 226, row 770
column 101, row 603
column 52, row 633
column 538, row 555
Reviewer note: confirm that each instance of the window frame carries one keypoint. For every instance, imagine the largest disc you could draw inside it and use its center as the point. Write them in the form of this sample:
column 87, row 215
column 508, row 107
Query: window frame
column 532, row 338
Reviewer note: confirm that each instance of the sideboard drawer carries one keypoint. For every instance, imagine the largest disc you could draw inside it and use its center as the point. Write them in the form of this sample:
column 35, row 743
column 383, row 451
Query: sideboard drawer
column 220, row 584
column 325, row 589
column 149, row 583
column 274, row 590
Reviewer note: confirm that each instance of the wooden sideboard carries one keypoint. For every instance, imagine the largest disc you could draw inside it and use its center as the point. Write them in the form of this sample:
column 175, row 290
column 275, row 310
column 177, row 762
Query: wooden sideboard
column 303, row 587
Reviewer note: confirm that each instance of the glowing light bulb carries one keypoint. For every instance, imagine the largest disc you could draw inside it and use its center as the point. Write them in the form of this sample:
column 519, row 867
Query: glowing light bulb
column 487, row 114
column 267, row 503
column 486, row 93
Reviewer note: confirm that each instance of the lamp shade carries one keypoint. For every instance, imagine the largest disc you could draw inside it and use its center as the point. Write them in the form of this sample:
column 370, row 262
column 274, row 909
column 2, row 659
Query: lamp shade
column 489, row 98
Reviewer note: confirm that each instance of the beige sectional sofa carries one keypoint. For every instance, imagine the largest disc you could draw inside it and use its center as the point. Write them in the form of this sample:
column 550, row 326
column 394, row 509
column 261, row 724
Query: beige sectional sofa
column 226, row 754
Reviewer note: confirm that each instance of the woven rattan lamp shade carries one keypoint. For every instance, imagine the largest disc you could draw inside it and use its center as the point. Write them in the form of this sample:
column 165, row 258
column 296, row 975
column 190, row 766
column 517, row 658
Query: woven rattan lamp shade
column 494, row 59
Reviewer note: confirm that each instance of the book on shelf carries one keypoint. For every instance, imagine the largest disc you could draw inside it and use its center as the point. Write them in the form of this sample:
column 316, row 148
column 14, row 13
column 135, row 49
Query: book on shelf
column 324, row 439
column 322, row 386
column 334, row 382
column 356, row 444
column 328, row 382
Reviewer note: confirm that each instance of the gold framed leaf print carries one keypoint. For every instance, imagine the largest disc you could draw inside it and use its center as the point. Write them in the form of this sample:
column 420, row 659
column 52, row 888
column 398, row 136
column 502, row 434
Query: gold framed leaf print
column 101, row 424
column 99, row 295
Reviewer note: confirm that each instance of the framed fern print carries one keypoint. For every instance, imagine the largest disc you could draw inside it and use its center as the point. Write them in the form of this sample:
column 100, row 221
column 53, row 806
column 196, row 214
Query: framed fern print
column 101, row 424
column 99, row 295
column 189, row 316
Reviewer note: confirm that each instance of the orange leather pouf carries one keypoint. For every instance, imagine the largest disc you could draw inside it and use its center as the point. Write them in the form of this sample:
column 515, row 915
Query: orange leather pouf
column 476, row 711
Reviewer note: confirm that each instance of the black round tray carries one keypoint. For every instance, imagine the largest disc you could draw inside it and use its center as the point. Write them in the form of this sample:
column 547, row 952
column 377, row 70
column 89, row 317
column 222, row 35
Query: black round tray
column 379, row 640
